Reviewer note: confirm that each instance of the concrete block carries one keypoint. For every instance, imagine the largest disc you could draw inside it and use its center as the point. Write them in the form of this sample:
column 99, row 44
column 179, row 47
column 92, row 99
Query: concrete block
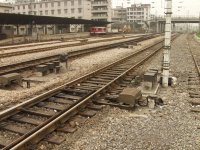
column 153, row 70
column 42, row 70
column 56, row 63
column 63, row 58
column 147, row 85
column 51, row 66
column 64, row 65
column 8, row 79
column 151, row 103
column 150, row 77
column 130, row 96
column 57, row 69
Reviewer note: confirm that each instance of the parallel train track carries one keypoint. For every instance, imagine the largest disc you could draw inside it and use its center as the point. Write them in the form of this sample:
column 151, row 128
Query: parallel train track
column 194, row 75
column 6, row 52
column 34, row 62
column 67, row 100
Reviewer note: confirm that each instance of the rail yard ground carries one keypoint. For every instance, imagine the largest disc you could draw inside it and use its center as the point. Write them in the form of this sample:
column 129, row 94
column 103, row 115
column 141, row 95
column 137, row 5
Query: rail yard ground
column 77, row 67
column 172, row 126
column 169, row 127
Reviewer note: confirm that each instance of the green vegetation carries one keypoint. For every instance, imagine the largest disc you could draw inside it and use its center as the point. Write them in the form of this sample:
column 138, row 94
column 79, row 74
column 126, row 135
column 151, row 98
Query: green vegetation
column 198, row 34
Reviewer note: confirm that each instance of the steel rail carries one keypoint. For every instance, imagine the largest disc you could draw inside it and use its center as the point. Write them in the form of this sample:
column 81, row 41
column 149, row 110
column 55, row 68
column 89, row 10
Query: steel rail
column 54, row 91
column 34, row 62
column 17, row 53
column 55, row 121
column 193, row 57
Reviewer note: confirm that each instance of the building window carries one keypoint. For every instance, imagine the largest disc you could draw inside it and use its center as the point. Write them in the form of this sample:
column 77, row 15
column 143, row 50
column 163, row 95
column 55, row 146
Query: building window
column 52, row 12
column 79, row 17
column 18, row 7
column 40, row 5
column 52, row 4
column 65, row 3
column 23, row 6
column 72, row 3
column 46, row 12
column 6, row 11
column 58, row 3
column 79, row 2
column 46, row 5
column 72, row 10
column 79, row 10
column 65, row 11
column 59, row 11
column 41, row 13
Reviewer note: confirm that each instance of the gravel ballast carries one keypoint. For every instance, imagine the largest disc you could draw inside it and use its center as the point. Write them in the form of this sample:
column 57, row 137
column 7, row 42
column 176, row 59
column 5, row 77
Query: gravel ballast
column 168, row 127
column 58, row 51
column 77, row 68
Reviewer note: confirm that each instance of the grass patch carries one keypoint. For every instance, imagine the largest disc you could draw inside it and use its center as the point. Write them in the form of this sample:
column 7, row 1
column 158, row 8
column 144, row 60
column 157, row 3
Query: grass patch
column 198, row 34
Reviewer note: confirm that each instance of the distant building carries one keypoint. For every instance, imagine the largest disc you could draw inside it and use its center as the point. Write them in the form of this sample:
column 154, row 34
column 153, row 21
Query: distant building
column 6, row 8
column 101, row 11
column 139, row 13
column 119, row 14
column 80, row 9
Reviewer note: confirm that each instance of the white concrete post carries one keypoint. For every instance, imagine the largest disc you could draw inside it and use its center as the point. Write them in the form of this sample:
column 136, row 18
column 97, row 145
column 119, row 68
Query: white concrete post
column 167, row 46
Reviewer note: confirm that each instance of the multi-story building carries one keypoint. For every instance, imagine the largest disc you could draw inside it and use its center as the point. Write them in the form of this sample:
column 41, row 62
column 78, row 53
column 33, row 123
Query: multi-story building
column 119, row 14
column 6, row 8
column 80, row 9
column 101, row 11
column 139, row 13
column 60, row 8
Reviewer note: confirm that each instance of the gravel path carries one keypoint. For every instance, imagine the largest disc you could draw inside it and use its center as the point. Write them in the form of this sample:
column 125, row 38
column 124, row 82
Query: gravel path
column 77, row 68
column 170, row 127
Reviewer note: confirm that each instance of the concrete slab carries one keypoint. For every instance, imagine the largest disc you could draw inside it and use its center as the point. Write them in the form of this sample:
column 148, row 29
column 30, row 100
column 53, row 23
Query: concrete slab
column 130, row 96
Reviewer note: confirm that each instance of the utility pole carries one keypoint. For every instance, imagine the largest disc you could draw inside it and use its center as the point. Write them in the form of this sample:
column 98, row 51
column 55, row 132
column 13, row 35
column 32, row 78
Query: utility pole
column 167, row 46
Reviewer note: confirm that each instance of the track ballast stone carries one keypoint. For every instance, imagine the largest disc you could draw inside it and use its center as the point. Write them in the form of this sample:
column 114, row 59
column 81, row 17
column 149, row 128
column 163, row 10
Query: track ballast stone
column 168, row 127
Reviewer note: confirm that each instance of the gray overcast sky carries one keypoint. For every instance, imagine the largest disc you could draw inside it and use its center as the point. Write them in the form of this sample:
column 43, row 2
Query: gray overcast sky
column 191, row 7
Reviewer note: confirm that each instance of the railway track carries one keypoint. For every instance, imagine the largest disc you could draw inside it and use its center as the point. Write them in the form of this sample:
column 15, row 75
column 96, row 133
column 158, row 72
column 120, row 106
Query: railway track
column 194, row 75
column 11, row 47
column 6, row 54
column 34, row 62
column 33, row 120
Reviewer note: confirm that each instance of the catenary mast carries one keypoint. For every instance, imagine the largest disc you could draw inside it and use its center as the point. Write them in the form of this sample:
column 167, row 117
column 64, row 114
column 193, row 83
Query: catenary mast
column 167, row 46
